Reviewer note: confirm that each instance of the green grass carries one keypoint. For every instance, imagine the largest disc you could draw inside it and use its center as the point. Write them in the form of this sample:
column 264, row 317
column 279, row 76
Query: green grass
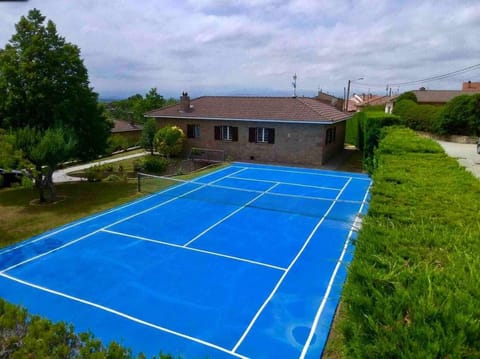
column 22, row 219
column 413, row 286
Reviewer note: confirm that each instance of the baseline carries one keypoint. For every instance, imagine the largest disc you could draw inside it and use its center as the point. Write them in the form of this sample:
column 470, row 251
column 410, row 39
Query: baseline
column 120, row 314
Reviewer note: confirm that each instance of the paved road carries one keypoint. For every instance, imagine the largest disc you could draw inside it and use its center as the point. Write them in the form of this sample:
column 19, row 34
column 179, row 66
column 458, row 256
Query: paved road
column 466, row 154
column 62, row 175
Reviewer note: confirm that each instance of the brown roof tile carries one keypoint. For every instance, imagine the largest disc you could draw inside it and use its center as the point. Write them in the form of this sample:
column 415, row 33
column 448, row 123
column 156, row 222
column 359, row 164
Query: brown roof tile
column 125, row 126
column 274, row 109
column 439, row 96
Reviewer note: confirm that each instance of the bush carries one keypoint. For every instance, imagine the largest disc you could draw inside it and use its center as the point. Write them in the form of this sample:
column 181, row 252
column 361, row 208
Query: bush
column 95, row 173
column 461, row 116
column 155, row 164
column 418, row 117
column 370, row 129
column 170, row 140
column 117, row 143
column 412, row 289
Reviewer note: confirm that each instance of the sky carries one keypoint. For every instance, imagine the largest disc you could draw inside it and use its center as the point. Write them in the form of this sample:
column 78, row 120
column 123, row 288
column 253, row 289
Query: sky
column 254, row 47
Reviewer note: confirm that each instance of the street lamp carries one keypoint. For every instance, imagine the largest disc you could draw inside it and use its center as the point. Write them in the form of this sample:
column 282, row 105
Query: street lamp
column 348, row 92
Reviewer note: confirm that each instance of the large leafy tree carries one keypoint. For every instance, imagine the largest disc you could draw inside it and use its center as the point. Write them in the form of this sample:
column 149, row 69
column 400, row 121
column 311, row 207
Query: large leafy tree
column 44, row 85
column 461, row 116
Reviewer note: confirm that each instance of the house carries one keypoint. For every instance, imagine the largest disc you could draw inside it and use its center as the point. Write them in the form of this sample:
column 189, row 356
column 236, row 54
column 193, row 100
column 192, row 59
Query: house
column 438, row 97
column 293, row 130
column 330, row 100
column 128, row 130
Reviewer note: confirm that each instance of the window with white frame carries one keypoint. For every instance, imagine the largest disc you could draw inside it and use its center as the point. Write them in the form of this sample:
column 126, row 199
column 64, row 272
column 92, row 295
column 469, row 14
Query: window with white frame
column 261, row 135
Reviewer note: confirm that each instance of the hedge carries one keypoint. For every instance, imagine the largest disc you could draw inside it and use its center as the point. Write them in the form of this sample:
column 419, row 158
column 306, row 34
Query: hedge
column 363, row 130
column 413, row 285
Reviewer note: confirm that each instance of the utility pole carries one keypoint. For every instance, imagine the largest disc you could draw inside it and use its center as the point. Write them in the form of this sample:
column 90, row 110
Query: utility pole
column 294, row 83
column 348, row 92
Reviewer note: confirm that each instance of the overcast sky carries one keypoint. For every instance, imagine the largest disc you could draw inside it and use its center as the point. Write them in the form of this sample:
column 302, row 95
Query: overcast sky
column 254, row 47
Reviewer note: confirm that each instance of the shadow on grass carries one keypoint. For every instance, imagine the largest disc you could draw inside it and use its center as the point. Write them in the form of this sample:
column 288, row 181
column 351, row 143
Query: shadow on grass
column 22, row 219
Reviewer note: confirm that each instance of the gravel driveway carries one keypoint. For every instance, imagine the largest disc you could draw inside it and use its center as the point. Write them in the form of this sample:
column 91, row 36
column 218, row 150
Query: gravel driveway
column 466, row 154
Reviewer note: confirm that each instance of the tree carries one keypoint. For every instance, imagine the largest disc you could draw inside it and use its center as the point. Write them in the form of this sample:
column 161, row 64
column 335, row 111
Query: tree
column 407, row 96
column 45, row 150
column 461, row 116
column 170, row 140
column 148, row 134
column 44, row 85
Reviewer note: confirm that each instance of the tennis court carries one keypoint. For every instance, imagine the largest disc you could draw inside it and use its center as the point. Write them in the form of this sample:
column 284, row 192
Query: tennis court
column 247, row 261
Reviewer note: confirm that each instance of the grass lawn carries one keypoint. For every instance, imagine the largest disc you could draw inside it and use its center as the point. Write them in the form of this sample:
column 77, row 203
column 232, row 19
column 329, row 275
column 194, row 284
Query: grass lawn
column 20, row 219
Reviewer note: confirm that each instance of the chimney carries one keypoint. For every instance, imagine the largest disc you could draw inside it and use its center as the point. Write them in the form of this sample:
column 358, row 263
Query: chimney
column 185, row 102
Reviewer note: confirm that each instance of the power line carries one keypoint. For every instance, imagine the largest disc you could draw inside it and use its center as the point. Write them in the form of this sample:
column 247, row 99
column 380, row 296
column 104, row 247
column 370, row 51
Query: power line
column 439, row 77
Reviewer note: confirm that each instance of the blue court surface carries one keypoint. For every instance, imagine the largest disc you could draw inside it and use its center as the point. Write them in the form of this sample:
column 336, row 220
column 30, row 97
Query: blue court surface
column 245, row 262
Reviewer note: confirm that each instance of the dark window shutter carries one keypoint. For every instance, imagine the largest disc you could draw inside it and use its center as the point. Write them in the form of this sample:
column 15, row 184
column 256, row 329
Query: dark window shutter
column 234, row 133
column 271, row 135
column 190, row 131
column 251, row 134
column 218, row 132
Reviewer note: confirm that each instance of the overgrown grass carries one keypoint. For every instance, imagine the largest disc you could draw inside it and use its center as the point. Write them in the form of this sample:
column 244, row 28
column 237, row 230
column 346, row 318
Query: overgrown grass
column 413, row 286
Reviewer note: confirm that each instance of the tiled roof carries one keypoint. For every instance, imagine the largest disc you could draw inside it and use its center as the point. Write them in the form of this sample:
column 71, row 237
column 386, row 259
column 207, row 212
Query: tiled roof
column 274, row 109
column 125, row 126
column 439, row 96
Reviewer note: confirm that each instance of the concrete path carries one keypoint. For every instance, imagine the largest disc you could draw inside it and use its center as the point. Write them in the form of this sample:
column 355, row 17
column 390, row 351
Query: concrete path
column 62, row 175
column 466, row 154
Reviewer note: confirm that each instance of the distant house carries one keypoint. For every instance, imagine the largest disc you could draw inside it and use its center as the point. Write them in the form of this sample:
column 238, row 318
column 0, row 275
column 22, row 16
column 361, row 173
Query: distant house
column 128, row 130
column 330, row 100
column 292, row 130
column 438, row 97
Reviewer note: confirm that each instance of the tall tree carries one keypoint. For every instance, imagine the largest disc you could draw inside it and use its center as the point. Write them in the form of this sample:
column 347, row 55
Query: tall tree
column 148, row 134
column 44, row 84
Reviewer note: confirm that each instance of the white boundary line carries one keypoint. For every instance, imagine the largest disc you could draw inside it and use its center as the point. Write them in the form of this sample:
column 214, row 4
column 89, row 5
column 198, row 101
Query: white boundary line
column 110, row 225
column 284, row 275
column 330, row 285
column 194, row 249
column 92, row 217
column 307, row 173
column 287, row 183
column 123, row 315
column 228, row 216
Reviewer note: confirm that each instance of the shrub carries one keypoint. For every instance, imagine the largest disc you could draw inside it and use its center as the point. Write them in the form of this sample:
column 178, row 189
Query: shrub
column 117, row 143
column 412, row 289
column 94, row 173
column 461, row 116
column 170, row 140
column 407, row 96
column 370, row 128
column 155, row 164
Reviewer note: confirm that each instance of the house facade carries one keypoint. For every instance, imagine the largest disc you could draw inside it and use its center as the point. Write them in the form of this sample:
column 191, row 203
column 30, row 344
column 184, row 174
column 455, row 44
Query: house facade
column 265, row 129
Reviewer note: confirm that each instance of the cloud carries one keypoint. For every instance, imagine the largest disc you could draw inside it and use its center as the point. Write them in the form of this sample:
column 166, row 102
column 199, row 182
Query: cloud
column 255, row 46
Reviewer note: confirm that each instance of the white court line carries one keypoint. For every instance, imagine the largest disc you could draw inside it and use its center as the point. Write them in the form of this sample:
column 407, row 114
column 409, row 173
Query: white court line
column 307, row 173
column 284, row 275
column 120, row 314
column 287, row 183
column 28, row 242
column 330, row 285
column 274, row 193
column 228, row 216
column 110, row 225
column 195, row 250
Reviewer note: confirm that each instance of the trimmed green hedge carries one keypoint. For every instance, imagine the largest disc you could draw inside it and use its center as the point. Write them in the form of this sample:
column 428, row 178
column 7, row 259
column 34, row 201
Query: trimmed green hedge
column 364, row 129
column 413, row 286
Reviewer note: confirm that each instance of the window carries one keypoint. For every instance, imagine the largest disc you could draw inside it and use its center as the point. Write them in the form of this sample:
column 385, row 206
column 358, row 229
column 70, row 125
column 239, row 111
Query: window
column 226, row 133
column 261, row 135
column 330, row 135
column 193, row 131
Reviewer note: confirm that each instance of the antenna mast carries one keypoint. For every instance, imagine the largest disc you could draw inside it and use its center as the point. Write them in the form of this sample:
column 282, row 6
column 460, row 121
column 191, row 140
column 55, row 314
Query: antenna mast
column 294, row 83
